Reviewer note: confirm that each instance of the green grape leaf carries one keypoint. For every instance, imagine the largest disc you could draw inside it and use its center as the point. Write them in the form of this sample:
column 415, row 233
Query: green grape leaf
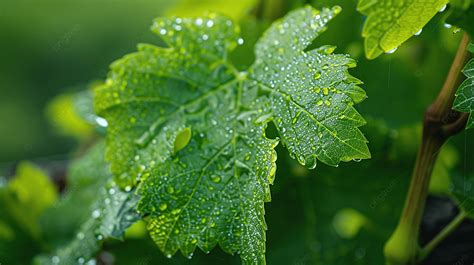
column 464, row 100
column 463, row 192
column 189, row 127
column 390, row 23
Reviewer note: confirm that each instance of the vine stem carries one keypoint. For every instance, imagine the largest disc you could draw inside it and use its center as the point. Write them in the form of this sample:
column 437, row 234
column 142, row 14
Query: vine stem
column 439, row 123
column 442, row 235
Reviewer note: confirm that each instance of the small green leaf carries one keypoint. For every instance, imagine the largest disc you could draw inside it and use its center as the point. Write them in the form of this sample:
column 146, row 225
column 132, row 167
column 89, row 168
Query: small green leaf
column 233, row 9
column 213, row 191
column 464, row 100
column 470, row 48
column 348, row 222
column 390, row 23
column 66, row 114
column 29, row 193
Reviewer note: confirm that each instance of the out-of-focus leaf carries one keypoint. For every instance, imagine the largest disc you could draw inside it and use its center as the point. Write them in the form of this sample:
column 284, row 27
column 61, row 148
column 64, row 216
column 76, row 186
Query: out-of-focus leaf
column 233, row 9
column 86, row 176
column 64, row 116
column 390, row 23
column 72, row 113
column 22, row 201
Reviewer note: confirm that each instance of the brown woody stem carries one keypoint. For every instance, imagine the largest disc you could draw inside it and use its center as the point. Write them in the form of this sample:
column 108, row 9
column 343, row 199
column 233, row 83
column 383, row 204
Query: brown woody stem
column 439, row 123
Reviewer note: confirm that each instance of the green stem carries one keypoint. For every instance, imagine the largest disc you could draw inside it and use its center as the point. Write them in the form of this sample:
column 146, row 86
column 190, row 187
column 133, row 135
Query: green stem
column 439, row 123
column 442, row 235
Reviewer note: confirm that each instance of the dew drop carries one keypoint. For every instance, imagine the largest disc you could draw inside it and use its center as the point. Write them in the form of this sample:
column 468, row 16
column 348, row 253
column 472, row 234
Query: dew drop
column 210, row 23
column 240, row 41
column 392, row 50
column 101, row 122
column 317, row 75
column 419, row 32
column 216, row 179
column 448, row 26
column 443, row 8
column 205, row 37
column 162, row 31
column 311, row 162
column 199, row 23
column 80, row 235
column 96, row 214
column 81, row 260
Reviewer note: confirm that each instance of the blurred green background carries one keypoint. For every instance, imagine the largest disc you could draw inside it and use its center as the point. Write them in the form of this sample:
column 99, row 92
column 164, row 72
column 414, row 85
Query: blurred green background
column 52, row 47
